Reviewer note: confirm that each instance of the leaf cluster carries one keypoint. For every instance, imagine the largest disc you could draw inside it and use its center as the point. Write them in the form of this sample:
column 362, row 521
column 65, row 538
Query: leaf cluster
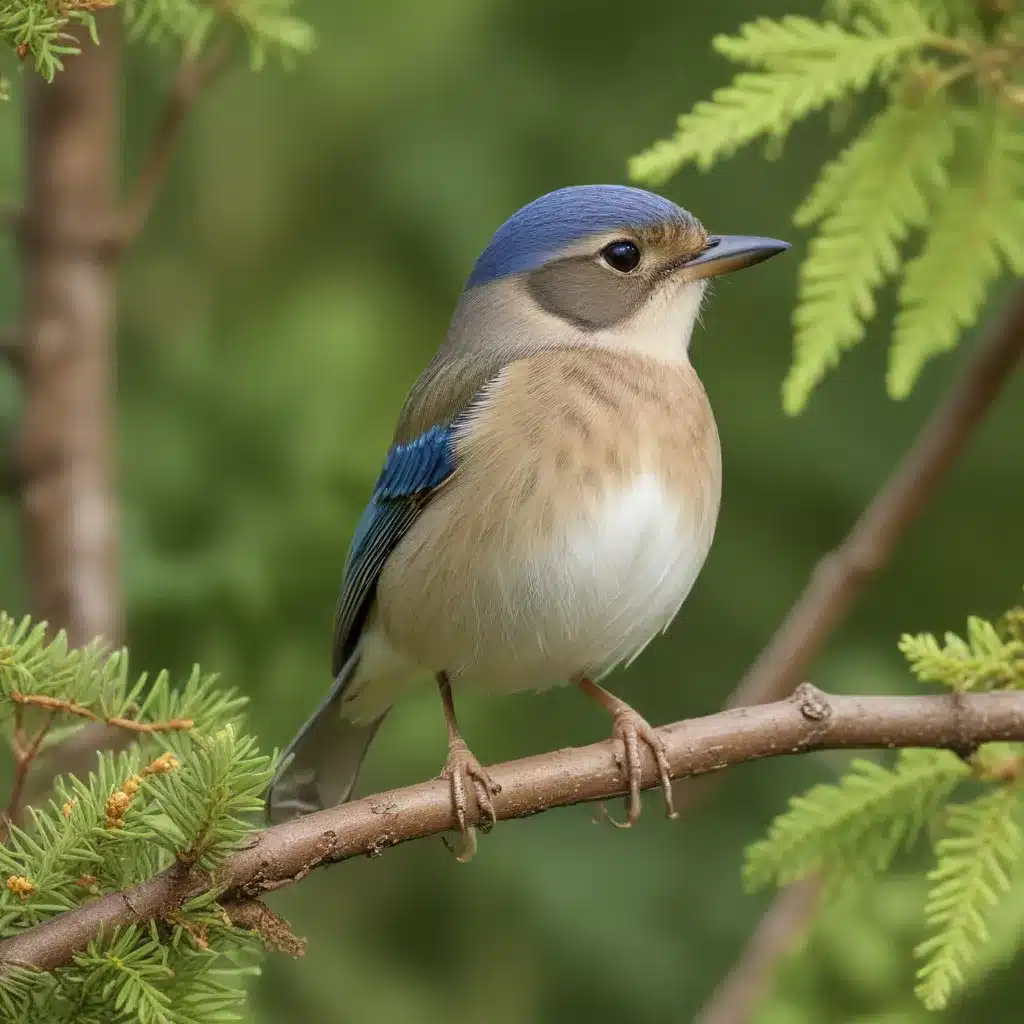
column 180, row 794
column 941, row 163
column 851, row 830
column 38, row 30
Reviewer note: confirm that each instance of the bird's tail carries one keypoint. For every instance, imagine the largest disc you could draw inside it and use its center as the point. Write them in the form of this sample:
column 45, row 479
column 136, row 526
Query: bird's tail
column 320, row 766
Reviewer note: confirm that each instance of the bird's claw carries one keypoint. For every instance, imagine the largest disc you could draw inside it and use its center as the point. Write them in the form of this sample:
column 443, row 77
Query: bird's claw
column 632, row 728
column 463, row 770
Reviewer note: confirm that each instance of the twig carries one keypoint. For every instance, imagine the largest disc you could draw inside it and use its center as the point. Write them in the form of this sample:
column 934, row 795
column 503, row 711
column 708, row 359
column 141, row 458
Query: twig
column 25, row 752
column 280, row 856
column 55, row 704
column 24, row 756
column 193, row 76
column 740, row 992
column 834, row 586
column 839, row 577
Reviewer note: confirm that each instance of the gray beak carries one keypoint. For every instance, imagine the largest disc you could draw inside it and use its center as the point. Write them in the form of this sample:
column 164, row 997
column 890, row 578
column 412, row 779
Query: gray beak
column 725, row 253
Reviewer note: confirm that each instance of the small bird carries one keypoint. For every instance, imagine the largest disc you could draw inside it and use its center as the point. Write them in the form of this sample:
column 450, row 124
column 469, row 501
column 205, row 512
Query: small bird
column 550, row 495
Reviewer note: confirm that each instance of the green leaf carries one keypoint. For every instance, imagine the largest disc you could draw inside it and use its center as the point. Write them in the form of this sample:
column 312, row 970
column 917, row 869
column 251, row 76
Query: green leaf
column 869, row 198
column 857, row 826
column 977, row 228
column 808, row 65
column 973, row 872
column 985, row 660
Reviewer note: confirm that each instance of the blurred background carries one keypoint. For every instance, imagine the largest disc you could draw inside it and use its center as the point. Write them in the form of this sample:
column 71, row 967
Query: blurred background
column 298, row 271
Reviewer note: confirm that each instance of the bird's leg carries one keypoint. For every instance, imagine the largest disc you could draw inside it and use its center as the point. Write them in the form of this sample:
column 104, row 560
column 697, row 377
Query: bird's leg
column 631, row 728
column 463, row 769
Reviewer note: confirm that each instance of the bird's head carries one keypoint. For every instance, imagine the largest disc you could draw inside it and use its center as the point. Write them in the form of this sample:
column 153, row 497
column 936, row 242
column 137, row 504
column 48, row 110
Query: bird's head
column 616, row 264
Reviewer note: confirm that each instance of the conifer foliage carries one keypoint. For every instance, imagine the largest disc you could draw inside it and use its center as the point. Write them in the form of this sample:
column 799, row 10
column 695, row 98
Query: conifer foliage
column 181, row 793
column 930, row 193
column 855, row 828
column 37, row 30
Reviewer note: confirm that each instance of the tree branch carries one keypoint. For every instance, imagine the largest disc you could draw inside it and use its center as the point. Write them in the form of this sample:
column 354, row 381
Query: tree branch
column 71, row 235
column 740, row 992
column 279, row 856
column 841, row 575
column 833, row 587
column 192, row 78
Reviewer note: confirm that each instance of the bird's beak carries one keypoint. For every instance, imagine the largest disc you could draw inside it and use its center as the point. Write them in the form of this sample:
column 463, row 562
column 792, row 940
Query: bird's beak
column 725, row 253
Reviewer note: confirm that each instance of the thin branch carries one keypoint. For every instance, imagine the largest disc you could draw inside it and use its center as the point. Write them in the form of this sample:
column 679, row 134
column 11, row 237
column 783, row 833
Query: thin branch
column 24, row 757
column 280, row 856
column 833, row 587
column 55, row 704
column 192, row 78
column 840, row 576
column 740, row 992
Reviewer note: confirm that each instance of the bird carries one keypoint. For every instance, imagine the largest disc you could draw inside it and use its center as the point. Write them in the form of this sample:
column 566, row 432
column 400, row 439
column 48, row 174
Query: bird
column 550, row 495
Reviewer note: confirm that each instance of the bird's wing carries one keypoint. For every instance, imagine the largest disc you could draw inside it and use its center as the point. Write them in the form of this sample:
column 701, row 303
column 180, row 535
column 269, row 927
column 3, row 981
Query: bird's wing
column 412, row 472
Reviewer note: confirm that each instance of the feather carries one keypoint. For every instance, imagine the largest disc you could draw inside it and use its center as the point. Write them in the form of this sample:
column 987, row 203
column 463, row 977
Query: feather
column 411, row 472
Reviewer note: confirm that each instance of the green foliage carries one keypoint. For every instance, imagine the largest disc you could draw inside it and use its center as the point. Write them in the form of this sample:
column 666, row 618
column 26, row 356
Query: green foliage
column 38, row 30
column 977, row 228
column 972, row 874
column 944, row 157
column 854, row 829
column 858, row 826
column 176, row 795
column 991, row 656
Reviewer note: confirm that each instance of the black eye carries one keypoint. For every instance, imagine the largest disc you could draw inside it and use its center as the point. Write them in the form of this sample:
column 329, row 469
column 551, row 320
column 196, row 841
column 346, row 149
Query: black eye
column 622, row 256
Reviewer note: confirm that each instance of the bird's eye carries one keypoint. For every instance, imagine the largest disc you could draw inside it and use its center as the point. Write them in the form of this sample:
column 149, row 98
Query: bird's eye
column 623, row 256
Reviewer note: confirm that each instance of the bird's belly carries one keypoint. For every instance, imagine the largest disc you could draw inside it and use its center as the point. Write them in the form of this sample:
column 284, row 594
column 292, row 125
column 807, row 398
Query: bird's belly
column 536, row 597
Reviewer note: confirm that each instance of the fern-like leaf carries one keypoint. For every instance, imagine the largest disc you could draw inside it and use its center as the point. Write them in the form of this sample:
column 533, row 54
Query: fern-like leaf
column 973, row 871
column 808, row 65
column 983, row 660
column 978, row 226
column 869, row 198
column 857, row 826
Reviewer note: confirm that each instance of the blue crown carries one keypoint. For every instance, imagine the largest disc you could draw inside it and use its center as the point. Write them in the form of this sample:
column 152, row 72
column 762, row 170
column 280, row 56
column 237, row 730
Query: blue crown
column 541, row 229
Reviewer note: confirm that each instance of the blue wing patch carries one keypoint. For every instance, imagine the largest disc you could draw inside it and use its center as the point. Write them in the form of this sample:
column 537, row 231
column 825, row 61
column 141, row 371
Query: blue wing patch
column 411, row 473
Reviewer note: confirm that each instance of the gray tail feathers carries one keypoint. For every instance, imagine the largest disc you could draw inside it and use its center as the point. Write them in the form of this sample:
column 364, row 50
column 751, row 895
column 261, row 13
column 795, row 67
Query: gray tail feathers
column 320, row 766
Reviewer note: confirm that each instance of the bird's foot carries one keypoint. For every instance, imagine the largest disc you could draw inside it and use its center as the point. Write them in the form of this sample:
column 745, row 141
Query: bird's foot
column 632, row 729
column 463, row 771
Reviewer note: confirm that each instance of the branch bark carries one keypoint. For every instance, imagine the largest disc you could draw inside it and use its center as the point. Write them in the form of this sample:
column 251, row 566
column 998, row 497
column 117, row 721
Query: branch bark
column 192, row 78
column 839, row 578
column 72, row 235
column 740, row 992
column 280, row 856
column 833, row 587
column 64, row 452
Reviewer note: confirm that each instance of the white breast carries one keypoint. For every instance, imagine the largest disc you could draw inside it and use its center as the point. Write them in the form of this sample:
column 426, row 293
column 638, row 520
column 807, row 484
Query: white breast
column 591, row 595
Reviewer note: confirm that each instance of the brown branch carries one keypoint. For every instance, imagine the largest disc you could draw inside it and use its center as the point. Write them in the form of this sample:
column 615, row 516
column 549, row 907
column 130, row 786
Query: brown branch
column 834, row 585
column 279, row 856
column 192, row 78
column 55, row 704
column 65, row 447
column 840, row 576
column 740, row 992
column 24, row 756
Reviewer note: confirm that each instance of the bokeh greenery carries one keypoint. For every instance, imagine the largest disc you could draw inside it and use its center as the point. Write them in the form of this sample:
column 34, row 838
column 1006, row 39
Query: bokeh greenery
column 299, row 270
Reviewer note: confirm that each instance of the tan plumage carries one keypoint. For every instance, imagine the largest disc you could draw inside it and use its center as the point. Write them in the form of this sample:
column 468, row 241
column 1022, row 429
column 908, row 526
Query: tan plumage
column 553, row 489
column 485, row 575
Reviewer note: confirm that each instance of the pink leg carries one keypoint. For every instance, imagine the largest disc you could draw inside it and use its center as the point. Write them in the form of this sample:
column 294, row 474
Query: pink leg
column 632, row 728
column 463, row 770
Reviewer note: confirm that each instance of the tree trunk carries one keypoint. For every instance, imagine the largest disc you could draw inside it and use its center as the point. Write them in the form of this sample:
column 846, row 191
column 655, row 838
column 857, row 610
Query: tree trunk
column 68, row 244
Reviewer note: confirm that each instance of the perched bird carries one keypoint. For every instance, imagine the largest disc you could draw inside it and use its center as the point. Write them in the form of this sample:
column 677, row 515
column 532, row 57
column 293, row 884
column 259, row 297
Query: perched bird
column 551, row 492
